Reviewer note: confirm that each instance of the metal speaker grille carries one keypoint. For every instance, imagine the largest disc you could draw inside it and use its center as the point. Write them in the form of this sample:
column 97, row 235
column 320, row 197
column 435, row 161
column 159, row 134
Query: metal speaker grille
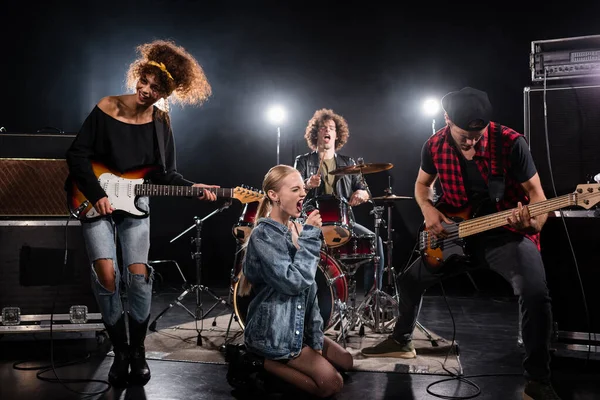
column 33, row 187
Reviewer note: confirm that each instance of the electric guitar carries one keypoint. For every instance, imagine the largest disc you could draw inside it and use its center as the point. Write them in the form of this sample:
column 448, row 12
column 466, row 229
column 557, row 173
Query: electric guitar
column 436, row 252
column 123, row 190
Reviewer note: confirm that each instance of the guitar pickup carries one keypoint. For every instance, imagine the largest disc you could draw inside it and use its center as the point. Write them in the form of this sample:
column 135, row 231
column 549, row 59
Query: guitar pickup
column 423, row 240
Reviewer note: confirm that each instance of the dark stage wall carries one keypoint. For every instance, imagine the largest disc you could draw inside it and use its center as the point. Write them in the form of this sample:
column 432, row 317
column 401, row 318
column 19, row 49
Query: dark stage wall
column 373, row 66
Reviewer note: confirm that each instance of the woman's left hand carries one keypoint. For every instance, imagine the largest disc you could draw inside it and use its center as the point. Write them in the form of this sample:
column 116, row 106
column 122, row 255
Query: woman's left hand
column 207, row 194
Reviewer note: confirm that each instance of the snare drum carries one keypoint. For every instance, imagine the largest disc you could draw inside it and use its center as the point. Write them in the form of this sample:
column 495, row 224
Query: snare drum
column 242, row 229
column 335, row 215
column 359, row 247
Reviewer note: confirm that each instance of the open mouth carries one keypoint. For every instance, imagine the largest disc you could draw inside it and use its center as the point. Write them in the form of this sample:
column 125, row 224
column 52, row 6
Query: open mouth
column 299, row 206
column 327, row 137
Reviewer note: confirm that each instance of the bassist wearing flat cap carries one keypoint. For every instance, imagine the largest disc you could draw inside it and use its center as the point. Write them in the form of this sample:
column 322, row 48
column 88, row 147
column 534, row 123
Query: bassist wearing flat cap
column 489, row 216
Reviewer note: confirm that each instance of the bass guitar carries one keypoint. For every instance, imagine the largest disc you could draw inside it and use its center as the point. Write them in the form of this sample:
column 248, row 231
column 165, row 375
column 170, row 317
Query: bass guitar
column 436, row 252
column 123, row 190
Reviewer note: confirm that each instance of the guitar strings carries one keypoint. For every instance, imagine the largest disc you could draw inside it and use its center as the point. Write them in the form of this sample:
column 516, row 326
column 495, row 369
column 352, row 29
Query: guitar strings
column 484, row 222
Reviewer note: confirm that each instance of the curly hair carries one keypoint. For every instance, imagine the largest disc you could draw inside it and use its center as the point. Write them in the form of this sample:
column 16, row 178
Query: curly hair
column 189, row 84
column 320, row 116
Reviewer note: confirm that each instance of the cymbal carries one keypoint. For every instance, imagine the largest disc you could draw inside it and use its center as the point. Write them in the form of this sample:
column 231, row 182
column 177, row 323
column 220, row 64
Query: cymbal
column 392, row 197
column 364, row 168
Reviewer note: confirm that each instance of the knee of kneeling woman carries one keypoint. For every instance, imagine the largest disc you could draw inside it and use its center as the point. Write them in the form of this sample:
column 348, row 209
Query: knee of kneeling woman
column 330, row 385
column 348, row 362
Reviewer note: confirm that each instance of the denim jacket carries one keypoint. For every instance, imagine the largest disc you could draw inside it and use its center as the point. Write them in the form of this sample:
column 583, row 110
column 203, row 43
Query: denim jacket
column 284, row 312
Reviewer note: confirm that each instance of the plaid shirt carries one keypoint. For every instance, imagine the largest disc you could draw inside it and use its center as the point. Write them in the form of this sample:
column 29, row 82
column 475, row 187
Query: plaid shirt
column 445, row 157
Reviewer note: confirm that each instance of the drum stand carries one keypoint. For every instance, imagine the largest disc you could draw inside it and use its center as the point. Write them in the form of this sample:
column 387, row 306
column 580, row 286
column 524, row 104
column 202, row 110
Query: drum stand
column 379, row 310
column 392, row 284
column 234, row 280
column 392, row 281
column 198, row 288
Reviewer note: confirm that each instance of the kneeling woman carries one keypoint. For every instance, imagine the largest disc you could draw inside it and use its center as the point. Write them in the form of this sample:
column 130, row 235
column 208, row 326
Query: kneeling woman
column 284, row 327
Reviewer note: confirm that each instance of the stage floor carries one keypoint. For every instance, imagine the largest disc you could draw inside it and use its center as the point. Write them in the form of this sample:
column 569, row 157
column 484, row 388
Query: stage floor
column 486, row 328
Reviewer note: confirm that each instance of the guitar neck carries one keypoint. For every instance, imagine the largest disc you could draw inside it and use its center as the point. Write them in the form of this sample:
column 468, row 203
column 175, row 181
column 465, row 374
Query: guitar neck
column 496, row 220
column 184, row 191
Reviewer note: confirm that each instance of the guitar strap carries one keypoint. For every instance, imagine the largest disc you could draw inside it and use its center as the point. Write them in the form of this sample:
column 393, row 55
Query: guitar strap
column 496, row 177
column 159, row 129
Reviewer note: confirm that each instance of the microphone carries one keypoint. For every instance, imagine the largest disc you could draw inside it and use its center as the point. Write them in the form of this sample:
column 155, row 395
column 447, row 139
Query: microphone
column 304, row 215
column 307, row 209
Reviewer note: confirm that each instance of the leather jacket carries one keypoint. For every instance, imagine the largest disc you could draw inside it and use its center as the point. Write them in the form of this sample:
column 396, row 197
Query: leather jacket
column 344, row 185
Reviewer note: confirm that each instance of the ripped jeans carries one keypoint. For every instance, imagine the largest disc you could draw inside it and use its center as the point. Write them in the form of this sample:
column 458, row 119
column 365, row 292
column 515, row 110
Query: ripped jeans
column 134, row 236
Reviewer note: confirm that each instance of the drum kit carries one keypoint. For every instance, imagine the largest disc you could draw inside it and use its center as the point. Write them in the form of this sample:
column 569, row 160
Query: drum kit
column 343, row 252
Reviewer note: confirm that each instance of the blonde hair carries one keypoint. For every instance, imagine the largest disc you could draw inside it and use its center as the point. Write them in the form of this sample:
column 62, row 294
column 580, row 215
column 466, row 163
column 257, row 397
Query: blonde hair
column 272, row 181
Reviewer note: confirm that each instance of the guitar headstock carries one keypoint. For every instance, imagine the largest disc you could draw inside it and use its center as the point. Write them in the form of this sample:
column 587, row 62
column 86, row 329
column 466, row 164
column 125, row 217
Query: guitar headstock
column 246, row 194
column 587, row 195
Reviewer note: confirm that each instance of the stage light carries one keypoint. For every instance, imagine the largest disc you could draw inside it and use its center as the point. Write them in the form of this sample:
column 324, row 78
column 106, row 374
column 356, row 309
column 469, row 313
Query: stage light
column 431, row 107
column 276, row 115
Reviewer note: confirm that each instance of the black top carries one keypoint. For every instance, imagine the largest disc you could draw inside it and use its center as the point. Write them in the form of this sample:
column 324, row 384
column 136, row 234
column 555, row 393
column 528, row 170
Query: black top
column 522, row 168
column 122, row 147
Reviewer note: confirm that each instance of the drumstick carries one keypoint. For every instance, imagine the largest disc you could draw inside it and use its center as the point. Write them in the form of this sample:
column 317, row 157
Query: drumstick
column 321, row 158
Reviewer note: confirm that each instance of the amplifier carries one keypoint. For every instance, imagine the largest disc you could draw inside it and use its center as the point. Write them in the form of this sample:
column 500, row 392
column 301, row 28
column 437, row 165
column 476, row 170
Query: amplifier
column 566, row 58
column 33, row 188
column 37, row 145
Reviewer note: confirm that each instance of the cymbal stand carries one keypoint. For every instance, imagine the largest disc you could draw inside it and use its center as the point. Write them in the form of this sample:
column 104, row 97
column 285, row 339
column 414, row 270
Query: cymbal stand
column 391, row 277
column 378, row 306
column 198, row 288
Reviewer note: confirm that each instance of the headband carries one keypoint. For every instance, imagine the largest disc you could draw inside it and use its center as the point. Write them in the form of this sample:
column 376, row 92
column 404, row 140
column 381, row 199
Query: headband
column 162, row 68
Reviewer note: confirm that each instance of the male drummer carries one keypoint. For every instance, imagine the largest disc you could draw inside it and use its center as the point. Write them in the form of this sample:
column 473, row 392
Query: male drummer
column 326, row 133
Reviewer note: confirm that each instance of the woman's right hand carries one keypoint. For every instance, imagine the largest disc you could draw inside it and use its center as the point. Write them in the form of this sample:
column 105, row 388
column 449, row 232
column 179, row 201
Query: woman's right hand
column 314, row 219
column 103, row 206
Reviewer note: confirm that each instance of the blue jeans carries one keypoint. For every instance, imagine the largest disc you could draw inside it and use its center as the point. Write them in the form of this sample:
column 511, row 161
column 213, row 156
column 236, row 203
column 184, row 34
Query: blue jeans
column 369, row 268
column 134, row 237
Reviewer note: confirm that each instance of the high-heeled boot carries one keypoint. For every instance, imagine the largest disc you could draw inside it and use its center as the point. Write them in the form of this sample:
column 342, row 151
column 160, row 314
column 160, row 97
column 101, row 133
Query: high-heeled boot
column 119, row 370
column 243, row 368
column 140, row 371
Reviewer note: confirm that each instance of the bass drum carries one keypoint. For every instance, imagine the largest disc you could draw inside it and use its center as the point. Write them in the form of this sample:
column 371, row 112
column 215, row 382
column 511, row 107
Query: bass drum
column 331, row 287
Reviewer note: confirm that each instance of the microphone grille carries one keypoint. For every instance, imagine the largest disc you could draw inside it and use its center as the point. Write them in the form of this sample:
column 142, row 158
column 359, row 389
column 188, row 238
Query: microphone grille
column 309, row 208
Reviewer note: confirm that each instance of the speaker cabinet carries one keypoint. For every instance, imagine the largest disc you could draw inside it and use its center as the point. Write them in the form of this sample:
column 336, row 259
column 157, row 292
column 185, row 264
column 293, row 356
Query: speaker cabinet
column 33, row 273
column 569, row 150
column 563, row 277
column 33, row 188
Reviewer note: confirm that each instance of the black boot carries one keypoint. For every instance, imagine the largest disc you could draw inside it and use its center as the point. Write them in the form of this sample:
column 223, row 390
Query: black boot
column 140, row 372
column 244, row 367
column 119, row 370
